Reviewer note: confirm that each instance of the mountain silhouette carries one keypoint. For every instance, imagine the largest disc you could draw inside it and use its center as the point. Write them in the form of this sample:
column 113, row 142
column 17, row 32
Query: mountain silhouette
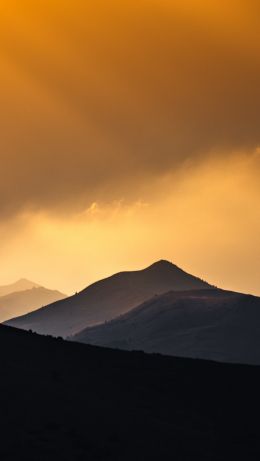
column 63, row 401
column 208, row 324
column 108, row 298
column 22, row 302
column 20, row 285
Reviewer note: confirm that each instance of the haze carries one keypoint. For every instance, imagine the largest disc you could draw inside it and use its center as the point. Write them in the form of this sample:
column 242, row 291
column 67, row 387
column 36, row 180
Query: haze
column 129, row 133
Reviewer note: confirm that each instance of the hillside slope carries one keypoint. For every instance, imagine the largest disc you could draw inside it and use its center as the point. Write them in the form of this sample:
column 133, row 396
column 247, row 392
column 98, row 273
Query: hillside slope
column 63, row 401
column 108, row 298
column 208, row 324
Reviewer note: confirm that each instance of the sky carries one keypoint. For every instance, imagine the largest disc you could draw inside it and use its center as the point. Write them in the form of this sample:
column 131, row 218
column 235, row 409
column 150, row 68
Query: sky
column 129, row 133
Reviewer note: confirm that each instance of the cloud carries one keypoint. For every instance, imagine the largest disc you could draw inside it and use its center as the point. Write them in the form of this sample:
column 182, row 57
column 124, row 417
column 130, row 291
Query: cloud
column 207, row 222
column 99, row 100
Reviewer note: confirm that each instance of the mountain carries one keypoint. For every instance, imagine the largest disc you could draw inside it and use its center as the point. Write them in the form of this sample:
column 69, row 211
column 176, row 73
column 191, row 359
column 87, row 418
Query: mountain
column 20, row 285
column 108, row 298
column 63, row 401
column 209, row 324
column 22, row 302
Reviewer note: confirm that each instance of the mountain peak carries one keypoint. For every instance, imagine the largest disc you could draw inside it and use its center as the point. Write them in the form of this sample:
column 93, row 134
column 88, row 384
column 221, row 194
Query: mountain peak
column 162, row 264
column 24, row 280
column 109, row 298
column 20, row 285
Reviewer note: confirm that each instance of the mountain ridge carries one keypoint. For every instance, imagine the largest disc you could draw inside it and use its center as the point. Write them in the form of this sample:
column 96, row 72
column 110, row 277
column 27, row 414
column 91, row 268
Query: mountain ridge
column 108, row 298
column 21, row 284
column 26, row 301
column 205, row 324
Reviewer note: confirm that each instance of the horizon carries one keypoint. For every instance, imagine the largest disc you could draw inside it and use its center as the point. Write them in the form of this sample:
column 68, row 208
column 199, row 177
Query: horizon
column 72, row 292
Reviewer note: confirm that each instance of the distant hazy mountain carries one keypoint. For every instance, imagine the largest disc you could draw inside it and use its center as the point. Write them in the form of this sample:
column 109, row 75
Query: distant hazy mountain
column 22, row 302
column 20, row 285
column 108, row 298
column 211, row 324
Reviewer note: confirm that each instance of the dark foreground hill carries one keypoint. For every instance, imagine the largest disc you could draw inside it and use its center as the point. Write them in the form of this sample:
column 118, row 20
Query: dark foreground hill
column 208, row 324
column 108, row 298
column 62, row 401
column 25, row 301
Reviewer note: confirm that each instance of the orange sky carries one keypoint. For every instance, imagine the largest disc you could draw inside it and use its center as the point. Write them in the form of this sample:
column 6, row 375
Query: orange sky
column 129, row 133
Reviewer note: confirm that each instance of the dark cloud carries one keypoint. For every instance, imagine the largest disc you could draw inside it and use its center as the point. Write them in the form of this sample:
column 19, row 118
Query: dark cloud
column 99, row 97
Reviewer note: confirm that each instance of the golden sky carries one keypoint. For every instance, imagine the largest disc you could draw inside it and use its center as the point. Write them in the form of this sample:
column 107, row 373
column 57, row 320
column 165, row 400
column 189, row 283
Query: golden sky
column 129, row 133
